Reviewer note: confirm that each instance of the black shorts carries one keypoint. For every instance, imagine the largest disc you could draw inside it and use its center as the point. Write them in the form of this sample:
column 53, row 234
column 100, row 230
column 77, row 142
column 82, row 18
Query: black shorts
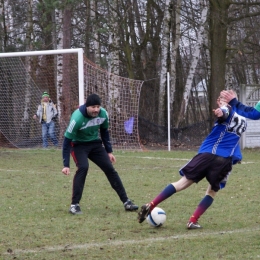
column 215, row 168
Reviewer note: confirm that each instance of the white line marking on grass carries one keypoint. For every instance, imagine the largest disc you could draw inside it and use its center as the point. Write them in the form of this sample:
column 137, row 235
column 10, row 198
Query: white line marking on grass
column 247, row 162
column 129, row 242
column 6, row 170
column 156, row 158
column 162, row 158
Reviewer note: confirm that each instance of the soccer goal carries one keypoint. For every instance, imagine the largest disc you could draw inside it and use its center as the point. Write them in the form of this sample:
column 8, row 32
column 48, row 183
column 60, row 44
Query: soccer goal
column 69, row 78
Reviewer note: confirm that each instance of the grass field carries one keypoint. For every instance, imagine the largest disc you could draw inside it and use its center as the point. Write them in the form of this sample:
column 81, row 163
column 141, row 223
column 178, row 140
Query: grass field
column 35, row 198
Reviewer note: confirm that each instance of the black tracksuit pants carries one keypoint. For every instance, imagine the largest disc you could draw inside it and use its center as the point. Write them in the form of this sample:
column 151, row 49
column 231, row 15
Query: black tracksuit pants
column 98, row 155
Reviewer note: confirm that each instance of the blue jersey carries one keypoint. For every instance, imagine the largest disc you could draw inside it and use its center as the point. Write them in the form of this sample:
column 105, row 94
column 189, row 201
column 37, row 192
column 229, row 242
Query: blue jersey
column 216, row 142
column 245, row 111
column 248, row 112
column 225, row 135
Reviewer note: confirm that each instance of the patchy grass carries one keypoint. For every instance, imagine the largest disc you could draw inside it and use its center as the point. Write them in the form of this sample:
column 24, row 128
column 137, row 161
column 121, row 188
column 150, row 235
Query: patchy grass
column 35, row 198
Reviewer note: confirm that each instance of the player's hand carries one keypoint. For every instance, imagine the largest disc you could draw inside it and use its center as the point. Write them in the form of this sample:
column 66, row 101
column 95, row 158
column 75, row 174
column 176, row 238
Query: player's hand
column 227, row 95
column 66, row 170
column 34, row 117
column 112, row 158
column 218, row 112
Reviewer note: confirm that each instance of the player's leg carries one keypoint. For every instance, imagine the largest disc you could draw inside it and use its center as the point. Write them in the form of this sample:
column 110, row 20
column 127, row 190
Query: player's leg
column 52, row 133
column 193, row 171
column 204, row 204
column 100, row 157
column 217, row 174
column 168, row 191
column 80, row 156
column 44, row 135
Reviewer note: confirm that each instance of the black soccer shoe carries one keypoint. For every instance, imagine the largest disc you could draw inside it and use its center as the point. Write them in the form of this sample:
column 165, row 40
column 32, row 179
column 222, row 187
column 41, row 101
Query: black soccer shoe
column 130, row 206
column 144, row 212
column 75, row 209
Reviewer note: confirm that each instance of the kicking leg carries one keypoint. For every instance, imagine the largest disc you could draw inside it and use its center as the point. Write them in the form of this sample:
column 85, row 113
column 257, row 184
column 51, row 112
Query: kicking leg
column 168, row 191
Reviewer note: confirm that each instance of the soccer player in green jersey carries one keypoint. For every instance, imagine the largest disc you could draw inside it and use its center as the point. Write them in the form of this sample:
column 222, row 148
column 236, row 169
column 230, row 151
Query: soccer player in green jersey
column 82, row 141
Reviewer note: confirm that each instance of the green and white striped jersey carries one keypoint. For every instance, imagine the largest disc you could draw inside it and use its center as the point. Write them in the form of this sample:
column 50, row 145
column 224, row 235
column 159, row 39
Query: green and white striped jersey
column 86, row 129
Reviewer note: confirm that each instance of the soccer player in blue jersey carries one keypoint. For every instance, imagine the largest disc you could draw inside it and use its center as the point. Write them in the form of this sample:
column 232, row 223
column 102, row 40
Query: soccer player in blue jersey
column 82, row 141
column 213, row 161
column 229, row 97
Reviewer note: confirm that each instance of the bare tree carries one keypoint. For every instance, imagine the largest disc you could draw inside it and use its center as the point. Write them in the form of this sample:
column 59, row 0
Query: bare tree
column 194, row 62
column 66, row 80
column 221, row 16
column 29, row 38
column 165, row 48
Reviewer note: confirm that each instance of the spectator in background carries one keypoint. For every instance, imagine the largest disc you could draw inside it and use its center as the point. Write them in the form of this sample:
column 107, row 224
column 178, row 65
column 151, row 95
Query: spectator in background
column 46, row 113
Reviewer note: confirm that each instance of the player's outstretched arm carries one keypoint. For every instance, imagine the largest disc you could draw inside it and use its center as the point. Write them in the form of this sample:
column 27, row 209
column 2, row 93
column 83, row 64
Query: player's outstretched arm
column 243, row 110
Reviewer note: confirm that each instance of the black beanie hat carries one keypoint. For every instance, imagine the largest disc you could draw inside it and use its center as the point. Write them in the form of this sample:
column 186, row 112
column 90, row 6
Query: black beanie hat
column 93, row 100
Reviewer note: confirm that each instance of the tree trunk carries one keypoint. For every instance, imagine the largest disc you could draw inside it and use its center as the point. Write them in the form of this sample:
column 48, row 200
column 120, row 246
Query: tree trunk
column 193, row 66
column 66, row 91
column 162, row 104
column 218, row 48
column 175, row 41
column 27, row 101
column 59, row 63
column 96, row 42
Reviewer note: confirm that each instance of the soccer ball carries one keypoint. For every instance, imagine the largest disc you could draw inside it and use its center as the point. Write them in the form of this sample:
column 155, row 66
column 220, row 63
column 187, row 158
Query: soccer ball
column 157, row 217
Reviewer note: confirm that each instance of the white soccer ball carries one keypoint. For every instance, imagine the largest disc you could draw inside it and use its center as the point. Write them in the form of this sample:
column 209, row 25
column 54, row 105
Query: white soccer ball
column 157, row 217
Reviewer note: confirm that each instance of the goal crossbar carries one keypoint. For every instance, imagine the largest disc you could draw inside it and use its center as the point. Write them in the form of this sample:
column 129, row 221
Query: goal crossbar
column 79, row 51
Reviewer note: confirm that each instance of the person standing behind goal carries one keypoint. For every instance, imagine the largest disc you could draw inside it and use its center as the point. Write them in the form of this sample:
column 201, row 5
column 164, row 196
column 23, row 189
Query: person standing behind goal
column 46, row 113
column 82, row 141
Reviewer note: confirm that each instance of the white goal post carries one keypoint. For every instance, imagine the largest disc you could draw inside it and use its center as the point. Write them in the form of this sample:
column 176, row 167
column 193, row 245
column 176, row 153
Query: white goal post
column 79, row 52
column 69, row 77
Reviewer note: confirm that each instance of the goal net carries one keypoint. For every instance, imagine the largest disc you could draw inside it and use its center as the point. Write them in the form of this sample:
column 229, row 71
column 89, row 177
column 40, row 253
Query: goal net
column 25, row 76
